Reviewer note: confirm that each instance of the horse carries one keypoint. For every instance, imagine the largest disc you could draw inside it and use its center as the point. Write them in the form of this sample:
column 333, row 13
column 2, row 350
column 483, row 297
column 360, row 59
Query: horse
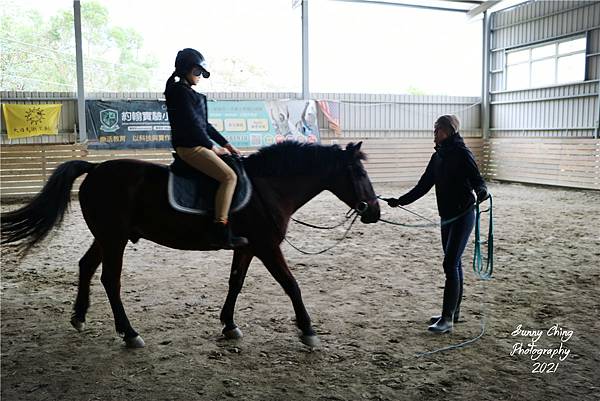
column 126, row 199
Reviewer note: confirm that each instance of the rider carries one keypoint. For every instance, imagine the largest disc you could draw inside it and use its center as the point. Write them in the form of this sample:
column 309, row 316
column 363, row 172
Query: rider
column 453, row 171
column 191, row 136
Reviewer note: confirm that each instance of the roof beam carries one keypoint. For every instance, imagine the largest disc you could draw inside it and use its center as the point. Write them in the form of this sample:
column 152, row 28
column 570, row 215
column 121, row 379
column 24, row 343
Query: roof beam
column 404, row 4
column 482, row 8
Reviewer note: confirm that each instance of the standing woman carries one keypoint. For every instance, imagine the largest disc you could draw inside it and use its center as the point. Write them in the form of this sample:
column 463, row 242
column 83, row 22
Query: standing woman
column 192, row 136
column 453, row 171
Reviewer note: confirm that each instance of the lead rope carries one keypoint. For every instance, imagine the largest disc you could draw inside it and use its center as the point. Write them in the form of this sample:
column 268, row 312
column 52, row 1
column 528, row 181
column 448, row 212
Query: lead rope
column 482, row 273
column 431, row 222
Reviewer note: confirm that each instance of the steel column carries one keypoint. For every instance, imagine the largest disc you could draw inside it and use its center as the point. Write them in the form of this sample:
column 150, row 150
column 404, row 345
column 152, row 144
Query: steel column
column 305, row 86
column 485, row 77
column 79, row 60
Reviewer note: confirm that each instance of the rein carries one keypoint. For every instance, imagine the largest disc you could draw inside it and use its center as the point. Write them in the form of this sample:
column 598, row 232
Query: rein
column 349, row 214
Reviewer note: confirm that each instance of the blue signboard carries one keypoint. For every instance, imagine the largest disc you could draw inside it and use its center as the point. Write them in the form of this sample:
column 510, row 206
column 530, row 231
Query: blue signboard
column 259, row 123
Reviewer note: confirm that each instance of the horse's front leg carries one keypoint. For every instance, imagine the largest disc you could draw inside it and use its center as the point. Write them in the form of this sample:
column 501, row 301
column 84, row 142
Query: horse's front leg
column 275, row 262
column 239, row 268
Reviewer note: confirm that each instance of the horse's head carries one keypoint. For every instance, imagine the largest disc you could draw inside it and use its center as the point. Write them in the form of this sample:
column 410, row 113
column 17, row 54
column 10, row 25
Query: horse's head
column 354, row 187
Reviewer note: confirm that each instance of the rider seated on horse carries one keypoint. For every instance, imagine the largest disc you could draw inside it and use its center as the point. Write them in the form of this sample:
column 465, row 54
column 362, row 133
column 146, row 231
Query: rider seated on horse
column 192, row 136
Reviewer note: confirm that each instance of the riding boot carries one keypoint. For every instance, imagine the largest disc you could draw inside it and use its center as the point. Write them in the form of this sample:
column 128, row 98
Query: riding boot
column 445, row 322
column 456, row 318
column 225, row 239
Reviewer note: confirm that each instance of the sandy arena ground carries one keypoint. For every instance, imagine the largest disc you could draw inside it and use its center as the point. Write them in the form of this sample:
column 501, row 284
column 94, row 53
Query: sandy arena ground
column 369, row 298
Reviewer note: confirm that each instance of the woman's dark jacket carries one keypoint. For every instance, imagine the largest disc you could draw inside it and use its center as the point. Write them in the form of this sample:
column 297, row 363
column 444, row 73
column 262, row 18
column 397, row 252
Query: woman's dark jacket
column 453, row 171
column 188, row 116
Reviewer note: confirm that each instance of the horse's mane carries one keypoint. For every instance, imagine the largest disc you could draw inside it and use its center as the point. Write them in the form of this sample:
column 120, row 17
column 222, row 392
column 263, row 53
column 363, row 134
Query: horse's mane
column 290, row 158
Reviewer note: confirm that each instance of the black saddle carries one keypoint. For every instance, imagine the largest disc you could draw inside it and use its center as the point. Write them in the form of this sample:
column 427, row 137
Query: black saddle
column 191, row 191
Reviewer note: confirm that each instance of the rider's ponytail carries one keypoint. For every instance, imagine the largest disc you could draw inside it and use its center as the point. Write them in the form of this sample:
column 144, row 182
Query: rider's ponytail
column 170, row 82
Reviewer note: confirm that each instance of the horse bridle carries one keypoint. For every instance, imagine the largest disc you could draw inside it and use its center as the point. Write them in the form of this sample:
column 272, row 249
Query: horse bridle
column 362, row 205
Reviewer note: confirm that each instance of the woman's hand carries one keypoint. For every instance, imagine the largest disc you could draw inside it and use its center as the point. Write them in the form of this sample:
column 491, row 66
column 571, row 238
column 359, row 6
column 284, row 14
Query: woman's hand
column 482, row 194
column 220, row 151
column 232, row 149
column 394, row 202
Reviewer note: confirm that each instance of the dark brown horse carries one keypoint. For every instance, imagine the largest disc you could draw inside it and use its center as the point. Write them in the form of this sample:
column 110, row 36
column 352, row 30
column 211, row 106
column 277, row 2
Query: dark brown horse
column 125, row 200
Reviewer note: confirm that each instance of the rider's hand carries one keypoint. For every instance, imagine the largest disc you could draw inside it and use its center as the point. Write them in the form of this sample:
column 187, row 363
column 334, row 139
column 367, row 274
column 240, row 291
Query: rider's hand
column 220, row 151
column 232, row 149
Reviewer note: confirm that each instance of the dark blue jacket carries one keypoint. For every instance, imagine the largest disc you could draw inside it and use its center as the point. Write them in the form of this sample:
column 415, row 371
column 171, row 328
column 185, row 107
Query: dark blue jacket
column 188, row 116
column 453, row 171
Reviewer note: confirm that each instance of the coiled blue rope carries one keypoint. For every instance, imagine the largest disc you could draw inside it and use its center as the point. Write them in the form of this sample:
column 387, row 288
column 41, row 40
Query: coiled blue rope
column 481, row 271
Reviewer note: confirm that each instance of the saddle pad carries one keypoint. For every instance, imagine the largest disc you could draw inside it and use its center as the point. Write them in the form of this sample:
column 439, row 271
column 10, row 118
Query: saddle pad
column 190, row 191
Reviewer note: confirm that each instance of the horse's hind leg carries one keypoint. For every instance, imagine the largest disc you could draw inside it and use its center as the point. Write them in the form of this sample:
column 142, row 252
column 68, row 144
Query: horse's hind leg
column 239, row 268
column 275, row 262
column 112, row 265
column 87, row 267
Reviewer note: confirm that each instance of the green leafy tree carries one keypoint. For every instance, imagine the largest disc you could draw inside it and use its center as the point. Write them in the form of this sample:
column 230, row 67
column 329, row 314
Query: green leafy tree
column 413, row 90
column 39, row 54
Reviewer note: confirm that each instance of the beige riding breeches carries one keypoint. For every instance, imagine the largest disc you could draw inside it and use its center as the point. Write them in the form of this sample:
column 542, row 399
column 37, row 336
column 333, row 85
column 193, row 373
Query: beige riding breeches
column 207, row 161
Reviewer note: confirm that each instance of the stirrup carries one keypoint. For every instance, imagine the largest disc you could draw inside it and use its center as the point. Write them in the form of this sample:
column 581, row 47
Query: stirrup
column 236, row 242
column 224, row 238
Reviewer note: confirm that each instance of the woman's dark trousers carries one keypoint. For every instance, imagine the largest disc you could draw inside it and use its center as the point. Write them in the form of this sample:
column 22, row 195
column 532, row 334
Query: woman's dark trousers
column 455, row 237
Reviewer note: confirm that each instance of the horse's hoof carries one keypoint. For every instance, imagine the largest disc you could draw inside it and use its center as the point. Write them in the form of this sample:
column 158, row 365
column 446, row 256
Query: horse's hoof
column 233, row 334
column 134, row 342
column 310, row 341
column 79, row 326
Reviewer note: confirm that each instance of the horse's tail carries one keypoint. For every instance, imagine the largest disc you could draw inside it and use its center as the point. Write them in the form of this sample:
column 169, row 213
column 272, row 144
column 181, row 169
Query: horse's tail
column 33, row 222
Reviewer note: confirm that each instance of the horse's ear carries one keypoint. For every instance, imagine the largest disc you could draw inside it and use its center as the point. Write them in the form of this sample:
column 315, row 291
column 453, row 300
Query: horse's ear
column 353, row 147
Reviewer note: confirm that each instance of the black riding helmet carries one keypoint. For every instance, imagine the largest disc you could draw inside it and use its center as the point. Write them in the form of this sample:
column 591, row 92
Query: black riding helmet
column 189, row 58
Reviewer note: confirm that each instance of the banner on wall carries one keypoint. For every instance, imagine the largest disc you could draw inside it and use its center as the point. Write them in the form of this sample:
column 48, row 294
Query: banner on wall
column 26, row 120
column 331, row 111
column 118, row 124
column 245, row 123
column 253, row 123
